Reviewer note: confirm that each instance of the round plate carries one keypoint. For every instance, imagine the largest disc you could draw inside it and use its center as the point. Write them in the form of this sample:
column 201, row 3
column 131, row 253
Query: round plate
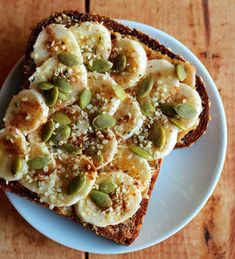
column 186, row 181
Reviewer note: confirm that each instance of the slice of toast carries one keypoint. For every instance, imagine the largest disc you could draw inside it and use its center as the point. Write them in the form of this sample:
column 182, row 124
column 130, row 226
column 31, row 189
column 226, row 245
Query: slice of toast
column 124, row 233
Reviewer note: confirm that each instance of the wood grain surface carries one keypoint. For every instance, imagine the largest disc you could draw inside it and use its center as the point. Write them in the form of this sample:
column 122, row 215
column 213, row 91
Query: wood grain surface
column 207, row 28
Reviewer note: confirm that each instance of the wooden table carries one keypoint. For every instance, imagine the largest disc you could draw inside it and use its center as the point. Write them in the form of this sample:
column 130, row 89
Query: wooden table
column 207, row 28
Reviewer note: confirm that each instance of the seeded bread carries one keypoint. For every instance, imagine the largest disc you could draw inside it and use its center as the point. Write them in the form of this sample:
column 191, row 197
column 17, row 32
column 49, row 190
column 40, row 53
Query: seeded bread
column 124, row 233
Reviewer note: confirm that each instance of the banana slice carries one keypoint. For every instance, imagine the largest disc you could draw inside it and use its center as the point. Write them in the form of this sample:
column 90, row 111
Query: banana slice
column 185, row 94
column 136, row 61
column 129, row 118
column 12, row 144
column 94, row 40
column 74, row 179
column 76, row 77
column 163, row 72
column 157, row 137
column 27, row 111
column 103, row 99
column 126, row 201
column 101, row 147
column 129, row 163
column 43, row 178
column 52, row 40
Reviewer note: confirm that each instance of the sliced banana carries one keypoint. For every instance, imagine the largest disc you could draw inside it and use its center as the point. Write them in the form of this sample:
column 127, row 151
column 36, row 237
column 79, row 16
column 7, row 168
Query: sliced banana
column 142, row 139
column 126, row 201
column 52, row 40
column 103, row 99
column 12, row 145
column 129, row 118
column 94, row 40
column 163, row 72
column 136, row 61
column 185, row 94
column 27, row 111
column 101, row 146
column 76, row 76
column 131, row 164
column 39, row 180
column 62, row 193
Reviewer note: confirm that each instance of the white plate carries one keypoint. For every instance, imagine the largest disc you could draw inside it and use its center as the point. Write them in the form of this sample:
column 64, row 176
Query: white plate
column 187, row 179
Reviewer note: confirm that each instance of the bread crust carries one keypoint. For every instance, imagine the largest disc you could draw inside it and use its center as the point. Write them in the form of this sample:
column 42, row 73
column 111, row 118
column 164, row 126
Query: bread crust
column 124, row 233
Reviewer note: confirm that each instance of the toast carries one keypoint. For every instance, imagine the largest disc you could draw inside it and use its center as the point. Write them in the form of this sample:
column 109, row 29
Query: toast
column 123, row 233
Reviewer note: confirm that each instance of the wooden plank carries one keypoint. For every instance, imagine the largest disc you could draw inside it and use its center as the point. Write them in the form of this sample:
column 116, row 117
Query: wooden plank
column 206, row 27
column 18, row 238
column 17, row 18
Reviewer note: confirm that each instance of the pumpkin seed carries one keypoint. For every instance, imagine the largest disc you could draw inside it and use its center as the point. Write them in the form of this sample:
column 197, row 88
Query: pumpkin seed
column 76, row 184
column 38, row 162
column 157, row 134
column 100, row 65
column 119, row 63
column 185, row 110
column 119, row 92
column 72, row 149
column 107, row 187
column 103, row 121
column 168, row 109
column 177, row 123
column 16, row 165
column 145, row 87
column 85, row 98
column 47, row 131
column 51, row 96
column 68, row 59
column 100, row 158
column 180, row 71
column 63, row 85
column 141, row 152
column 63, row 96
column 61, row 118
column 101, row 199
column 62, row 133
column 45, row 86
column 148, row 109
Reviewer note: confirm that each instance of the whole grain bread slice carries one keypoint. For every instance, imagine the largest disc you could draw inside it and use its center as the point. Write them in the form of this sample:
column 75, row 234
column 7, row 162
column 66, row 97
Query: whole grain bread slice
column 124, row 233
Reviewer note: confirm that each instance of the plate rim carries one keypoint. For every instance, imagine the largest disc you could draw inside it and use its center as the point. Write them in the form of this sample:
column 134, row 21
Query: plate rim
column 218, row 170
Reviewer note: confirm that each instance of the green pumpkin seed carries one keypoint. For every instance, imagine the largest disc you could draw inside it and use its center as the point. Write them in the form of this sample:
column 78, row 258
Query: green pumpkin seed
column 101, row 199
column 177, row 123
column 16, row 165
column 157, row 134
column 119, row 92
column 63, row 133
column 185, row 110
column 145, row 87
column 100, row 65
column 45, row 86
column 103, row 121
column 148, row 109
column 68, row 59
column 63, row 96
column 141, row 152
column 72, row 149
column 100, row 158
column 107, row 187
column 85, row 98
column 180, row 71
column 63, row 85
column 38, row 162
column 168, row 110
column 61, row 118
column 51, row 96
column 47, row 131
column 119, row 63
column 76, row 185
